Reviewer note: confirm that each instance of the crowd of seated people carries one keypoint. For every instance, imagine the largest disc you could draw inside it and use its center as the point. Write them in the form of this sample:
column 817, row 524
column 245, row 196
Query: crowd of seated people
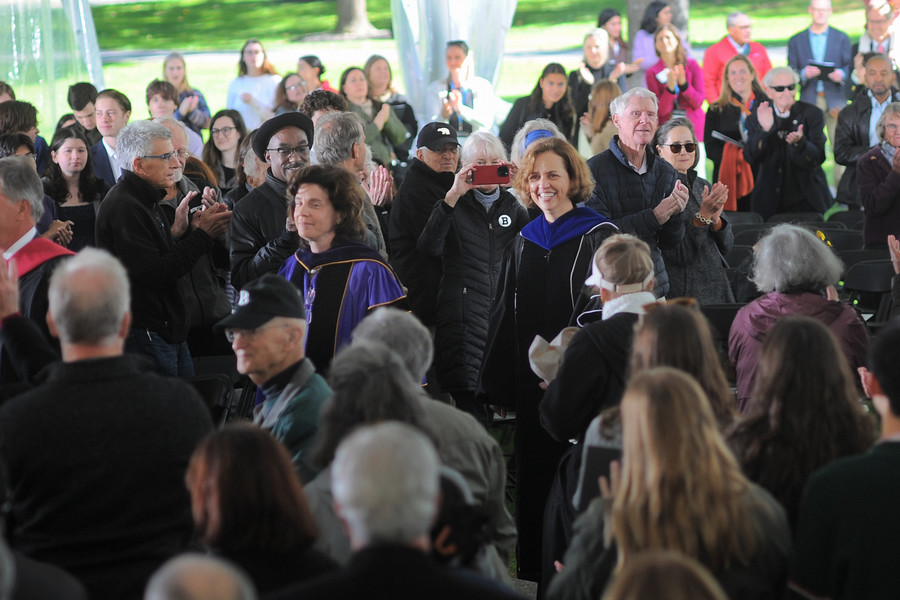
column 394, row 285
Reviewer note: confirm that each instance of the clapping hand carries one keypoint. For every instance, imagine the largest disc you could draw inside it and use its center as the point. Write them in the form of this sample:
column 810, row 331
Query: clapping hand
column 765, row 115
column 795, row 137
column 712, row 201
column 672, row 204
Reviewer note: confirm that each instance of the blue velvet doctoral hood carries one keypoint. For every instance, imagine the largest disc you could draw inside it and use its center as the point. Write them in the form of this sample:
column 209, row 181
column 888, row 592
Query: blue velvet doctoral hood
column 573, row 224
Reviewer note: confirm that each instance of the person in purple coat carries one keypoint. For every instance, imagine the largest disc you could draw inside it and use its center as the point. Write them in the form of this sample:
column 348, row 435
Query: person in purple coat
column 341, row 278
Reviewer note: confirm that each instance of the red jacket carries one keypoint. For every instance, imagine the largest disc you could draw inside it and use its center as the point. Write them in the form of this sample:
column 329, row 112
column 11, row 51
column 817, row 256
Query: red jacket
column 719, row 54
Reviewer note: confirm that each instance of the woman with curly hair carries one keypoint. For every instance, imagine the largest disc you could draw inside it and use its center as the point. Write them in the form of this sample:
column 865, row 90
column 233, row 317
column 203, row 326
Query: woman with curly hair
column 679, row 489
column 540, row 291
column 803, row 413
column 342, row 280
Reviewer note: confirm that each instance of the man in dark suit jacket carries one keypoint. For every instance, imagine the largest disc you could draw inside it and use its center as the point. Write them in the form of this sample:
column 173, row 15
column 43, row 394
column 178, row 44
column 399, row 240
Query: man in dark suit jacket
column 94, row 458
column 113, row 112
column 385, row 484
column 822, row 44
column 848, row 531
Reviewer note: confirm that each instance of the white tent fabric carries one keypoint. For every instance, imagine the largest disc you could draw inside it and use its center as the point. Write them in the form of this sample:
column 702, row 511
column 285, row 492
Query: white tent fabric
column 45, row 46
column 423, row 27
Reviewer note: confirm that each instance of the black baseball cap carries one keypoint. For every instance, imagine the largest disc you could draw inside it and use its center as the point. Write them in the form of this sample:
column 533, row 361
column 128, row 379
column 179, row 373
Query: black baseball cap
column 261, row 301
column 275, row 124
column 435, row 136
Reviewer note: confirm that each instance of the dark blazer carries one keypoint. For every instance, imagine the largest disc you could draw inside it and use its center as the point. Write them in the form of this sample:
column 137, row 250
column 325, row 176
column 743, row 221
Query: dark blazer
column 790, row 176
column 396, row 573
column 102, row 168
column 837, row 51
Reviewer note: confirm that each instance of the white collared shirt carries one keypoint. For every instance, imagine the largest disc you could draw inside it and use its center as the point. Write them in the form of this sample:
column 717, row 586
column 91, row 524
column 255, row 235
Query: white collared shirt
column 113, row 160
column 20, row 243
column 877, row 110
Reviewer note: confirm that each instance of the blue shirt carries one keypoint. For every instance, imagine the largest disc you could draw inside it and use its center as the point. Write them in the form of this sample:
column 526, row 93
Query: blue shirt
column 817, row 43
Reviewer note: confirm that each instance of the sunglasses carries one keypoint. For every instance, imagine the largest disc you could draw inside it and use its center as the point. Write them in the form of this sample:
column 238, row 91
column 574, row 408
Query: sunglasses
column 781, row 88
column 676, row 148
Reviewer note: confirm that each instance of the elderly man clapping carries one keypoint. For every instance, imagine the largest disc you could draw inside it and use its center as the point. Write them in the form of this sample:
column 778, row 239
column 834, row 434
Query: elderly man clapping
column 634, row 188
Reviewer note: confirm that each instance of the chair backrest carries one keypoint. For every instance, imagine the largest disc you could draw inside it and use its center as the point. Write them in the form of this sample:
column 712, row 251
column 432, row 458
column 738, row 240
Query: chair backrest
column 853, row 219
column 217, row 390
column 867, row 286
column 720, row 317
column 796, row 217
column 845, row 240
column 742, row 217
column 748, row 236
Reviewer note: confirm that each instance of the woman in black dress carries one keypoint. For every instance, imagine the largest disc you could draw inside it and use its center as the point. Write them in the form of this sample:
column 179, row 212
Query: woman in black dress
column 70, row 182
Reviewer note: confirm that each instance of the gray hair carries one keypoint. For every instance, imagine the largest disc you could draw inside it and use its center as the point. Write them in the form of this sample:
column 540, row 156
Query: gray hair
column 732, row 17
column 662, row 134
column 891, row 109
column 199, row 577
column 89, row 296
column 370, row 384
column 597, row 32
column 620, row 103
column 136, row 140
column 482, row 142
column 19, row 181
column 166, row 121
column 385, row 481
column 335, row 135
column 790, row 258
column 403, row 333
column 767, row 80
column 517, row 148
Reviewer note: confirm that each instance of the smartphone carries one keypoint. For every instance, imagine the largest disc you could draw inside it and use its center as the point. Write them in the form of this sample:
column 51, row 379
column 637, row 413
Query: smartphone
column 490, row 174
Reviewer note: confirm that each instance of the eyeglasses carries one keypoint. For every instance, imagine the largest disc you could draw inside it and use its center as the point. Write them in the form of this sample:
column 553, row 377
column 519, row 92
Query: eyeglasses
column 222, row 130
column 249, row 334
column 285, row 151
column 676, row 147
column 781, row 88
column 183, row 154
column 166, row 157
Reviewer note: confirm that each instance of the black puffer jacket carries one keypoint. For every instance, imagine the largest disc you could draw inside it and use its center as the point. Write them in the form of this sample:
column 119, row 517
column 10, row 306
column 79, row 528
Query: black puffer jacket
column 470, row 242
column 628, row 198
column 422, row 188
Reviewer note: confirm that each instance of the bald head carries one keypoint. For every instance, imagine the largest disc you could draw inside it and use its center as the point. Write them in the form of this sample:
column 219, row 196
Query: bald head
column 197, row 577
column 89, row 299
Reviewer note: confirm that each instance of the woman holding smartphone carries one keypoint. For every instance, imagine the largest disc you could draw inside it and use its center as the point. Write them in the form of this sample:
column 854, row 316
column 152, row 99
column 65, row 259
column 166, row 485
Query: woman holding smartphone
column 469, row 232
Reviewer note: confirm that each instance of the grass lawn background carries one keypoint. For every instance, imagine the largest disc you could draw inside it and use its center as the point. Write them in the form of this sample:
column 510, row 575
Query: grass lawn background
column 542, row 29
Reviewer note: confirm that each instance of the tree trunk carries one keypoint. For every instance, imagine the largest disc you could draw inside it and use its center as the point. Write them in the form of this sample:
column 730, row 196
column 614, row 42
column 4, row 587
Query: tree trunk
column 353, row 18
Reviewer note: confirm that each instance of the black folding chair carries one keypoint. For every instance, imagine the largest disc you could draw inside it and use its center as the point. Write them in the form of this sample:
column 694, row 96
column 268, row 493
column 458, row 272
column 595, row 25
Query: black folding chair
column 741, row 217
column 867, row 286
column 796, row 217
column 853, row 219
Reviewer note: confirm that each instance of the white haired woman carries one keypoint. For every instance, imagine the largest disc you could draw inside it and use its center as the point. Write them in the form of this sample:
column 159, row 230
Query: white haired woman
column 803, row 285
column 469, row 231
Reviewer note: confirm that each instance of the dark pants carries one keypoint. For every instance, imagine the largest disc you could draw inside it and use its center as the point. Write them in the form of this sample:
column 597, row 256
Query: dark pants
column 170, row 359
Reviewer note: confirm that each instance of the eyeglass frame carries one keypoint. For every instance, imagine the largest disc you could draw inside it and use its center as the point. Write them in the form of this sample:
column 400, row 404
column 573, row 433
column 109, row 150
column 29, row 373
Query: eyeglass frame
column 286, row 151
column 677, row 146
